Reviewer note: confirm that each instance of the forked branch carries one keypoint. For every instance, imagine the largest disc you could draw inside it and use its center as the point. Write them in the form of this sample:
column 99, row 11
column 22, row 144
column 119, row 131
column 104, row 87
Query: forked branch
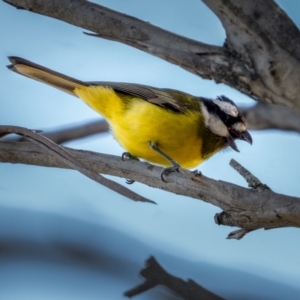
column 248, row 209
column 61, row 154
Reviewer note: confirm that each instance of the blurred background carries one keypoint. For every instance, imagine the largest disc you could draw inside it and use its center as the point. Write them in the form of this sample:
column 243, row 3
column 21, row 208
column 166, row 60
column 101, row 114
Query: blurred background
column 63, row 236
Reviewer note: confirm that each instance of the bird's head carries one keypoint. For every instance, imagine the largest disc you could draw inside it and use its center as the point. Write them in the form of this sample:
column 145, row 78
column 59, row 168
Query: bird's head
column 223, row 118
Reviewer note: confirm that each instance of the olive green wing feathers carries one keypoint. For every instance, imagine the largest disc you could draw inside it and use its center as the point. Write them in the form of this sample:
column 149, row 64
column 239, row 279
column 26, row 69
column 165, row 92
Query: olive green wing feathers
column 167, row 98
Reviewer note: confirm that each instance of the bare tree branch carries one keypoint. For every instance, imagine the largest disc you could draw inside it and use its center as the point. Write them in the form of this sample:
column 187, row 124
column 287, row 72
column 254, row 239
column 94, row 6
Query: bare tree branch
column 69, row 133
column 252, row 181
column 156, row 275
column 61, row 154
column 112, row 25
column 78, row 131
column 249, row 209
column 270, row 116
column 255, row 60
column 258, row 32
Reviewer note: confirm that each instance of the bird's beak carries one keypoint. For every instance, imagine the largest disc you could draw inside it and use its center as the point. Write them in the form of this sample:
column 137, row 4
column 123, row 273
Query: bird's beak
column 245, row 136
column 234, row 134
column 232, row 143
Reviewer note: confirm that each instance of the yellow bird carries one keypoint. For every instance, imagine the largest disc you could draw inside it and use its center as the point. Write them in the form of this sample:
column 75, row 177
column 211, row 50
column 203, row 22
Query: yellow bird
column 162, row 126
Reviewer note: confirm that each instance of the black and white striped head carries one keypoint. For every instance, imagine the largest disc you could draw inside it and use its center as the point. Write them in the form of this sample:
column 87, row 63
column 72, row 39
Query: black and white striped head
column 223, row 118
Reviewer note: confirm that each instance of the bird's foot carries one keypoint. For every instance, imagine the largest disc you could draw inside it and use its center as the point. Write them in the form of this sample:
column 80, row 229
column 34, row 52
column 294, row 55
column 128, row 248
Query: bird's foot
column 129, row 181
column 167, row 171
column 197, row 173
column 175, row 166
column 128, row 156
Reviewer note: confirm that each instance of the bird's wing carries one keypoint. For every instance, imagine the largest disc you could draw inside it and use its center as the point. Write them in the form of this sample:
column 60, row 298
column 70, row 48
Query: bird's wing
column 171, row 99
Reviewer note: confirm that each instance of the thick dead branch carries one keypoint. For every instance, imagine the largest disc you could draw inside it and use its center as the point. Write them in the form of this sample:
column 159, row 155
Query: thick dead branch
column 270, row 116
column 248, row 209
column 61, row 154
column 255, row 60
column 156, row 275
column 267, row 41
column 112, row 25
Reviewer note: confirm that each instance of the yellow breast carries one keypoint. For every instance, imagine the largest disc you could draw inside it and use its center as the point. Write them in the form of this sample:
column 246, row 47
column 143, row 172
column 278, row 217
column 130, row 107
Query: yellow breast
column 135, row 122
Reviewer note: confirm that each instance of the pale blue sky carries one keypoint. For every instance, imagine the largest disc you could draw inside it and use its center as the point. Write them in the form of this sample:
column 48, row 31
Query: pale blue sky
column 177, row 227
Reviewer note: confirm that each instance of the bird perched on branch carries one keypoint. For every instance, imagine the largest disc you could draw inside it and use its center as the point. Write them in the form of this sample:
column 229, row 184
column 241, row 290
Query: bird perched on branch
column 162, row 126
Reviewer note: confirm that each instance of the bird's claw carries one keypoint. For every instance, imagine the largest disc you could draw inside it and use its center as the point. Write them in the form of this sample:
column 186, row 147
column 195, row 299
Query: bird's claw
column 167, row 171
column 128, row 156
column 197, row 173
column 129, row 181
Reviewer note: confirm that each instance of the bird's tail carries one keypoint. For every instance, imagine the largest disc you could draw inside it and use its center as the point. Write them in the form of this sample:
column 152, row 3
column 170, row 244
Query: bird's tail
column 37, row 72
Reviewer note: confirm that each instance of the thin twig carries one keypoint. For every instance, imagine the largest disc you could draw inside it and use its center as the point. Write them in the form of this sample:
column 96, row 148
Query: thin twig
column 69, row 132
column 252, row 181
column 71, row 161
column 77, row 131
column 238, row 234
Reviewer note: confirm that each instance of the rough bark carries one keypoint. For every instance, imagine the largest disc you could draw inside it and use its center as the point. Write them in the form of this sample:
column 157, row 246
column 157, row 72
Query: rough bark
column 260, row 57
column 248, row 209
column 270, row 116
column 266, row 41
column 61, row 154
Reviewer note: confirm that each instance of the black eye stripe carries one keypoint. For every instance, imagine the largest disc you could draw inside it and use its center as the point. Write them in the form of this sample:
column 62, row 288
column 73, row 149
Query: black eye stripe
column 227, row 119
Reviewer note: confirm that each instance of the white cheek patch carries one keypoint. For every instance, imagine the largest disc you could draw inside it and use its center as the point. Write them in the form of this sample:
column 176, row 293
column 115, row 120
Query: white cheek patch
column 227, row 107
column 205, row 113
column 213, row 123
column 239, row 127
